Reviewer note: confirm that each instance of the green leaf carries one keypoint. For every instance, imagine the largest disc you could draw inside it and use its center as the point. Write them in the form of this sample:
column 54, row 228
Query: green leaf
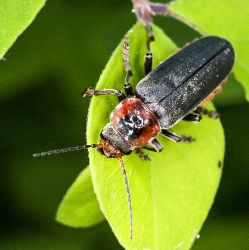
column 171, row 194
column 79, row 207
column 228, row 19
column 15, row 17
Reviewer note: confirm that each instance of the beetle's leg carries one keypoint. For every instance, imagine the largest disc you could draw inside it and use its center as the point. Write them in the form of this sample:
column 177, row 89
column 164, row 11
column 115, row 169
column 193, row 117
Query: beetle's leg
column 171, row 135
column 187, row 139
column 212, row 114
column 93, row 92
column 192, row 117
column 175, row 137
column 127, row 66
column 141, row 154
column 149, row 56
column 127, row 87
column 157, row 146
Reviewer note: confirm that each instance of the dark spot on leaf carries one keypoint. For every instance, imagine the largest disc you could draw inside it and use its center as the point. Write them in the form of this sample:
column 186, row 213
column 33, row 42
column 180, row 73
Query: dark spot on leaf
column 220, row 164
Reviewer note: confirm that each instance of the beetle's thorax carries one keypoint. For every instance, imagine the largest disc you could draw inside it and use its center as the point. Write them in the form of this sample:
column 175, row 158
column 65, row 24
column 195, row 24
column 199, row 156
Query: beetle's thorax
column 132, row 125
column 135, row 122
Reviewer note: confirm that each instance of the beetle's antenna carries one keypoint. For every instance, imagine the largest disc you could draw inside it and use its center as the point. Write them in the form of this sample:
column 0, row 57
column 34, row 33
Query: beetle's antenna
column 64, row 150
column 127, row 191
column 119, row 157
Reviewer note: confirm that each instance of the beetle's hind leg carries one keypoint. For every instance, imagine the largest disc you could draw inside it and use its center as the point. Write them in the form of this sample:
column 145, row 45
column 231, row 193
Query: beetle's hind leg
column 192, row 117
column 210, row 113
column 196, row 115
column 149, row 56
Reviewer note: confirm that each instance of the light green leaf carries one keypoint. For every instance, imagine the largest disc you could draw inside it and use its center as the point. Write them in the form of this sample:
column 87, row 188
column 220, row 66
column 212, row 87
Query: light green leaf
column 171, row 194
column 15, row 17
column 228, row 19
column 79, row 207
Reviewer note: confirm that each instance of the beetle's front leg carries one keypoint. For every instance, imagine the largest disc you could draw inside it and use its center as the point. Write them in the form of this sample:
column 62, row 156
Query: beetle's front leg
column 149, row 56
column 127, row 66
column 93, row 92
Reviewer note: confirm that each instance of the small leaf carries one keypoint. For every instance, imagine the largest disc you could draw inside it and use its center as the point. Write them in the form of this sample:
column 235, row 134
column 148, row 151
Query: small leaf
column 15, row 16
column 79, row 207
column 228, row 19
column 171, row 194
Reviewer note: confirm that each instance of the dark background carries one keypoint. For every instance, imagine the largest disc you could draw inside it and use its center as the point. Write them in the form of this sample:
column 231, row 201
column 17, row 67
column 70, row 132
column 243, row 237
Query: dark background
column 60, row 54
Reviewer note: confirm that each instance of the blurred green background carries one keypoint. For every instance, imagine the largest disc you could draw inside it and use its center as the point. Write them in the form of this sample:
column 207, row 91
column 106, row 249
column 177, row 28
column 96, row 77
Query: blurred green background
column 43, row 74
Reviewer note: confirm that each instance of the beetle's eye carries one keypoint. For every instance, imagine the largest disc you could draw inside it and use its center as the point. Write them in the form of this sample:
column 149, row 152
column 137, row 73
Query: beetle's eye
column 149, row 122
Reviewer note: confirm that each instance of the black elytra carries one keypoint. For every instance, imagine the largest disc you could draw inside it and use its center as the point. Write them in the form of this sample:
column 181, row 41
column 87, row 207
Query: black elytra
column 178, row 85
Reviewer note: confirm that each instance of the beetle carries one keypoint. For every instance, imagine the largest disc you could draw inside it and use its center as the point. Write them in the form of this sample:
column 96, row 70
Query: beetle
column 171, row 92
column 166, row 95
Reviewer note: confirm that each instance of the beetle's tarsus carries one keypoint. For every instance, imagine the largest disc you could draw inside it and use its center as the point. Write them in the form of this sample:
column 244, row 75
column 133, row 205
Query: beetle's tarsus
column 210, row 113
column 187, row 139
column 141, row 154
